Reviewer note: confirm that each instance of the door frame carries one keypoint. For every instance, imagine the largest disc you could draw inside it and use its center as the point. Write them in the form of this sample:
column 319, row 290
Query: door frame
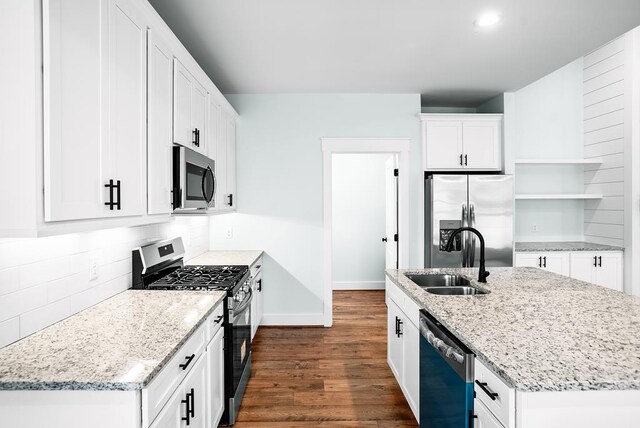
column 330, row 146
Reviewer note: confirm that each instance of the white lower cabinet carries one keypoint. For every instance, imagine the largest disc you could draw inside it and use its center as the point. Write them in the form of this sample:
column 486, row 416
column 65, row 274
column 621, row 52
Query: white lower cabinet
column 601, row 268
column 215, row 379
column 403, row 345
column 552, row 261
column 483, row 417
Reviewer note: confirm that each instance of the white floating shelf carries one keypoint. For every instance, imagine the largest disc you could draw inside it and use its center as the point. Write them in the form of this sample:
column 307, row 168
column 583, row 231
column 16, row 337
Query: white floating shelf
column 558, row 196
column 568, row 161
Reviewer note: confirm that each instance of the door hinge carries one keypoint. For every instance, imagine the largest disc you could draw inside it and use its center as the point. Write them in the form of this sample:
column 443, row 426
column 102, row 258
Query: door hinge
column 395, row 172
column 395, row 237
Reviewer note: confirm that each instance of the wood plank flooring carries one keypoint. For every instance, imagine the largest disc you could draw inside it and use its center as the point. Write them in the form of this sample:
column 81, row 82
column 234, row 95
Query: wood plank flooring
column 327, row 377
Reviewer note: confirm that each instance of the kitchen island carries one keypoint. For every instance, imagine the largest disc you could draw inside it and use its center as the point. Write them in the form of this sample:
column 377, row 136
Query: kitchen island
column 568, row 350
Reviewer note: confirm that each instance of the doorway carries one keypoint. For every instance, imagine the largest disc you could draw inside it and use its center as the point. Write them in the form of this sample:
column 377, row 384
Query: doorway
column 365, row 213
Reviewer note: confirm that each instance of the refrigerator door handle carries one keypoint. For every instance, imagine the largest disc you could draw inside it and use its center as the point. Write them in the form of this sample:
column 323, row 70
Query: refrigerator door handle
column 472, row 237
column 463, row 238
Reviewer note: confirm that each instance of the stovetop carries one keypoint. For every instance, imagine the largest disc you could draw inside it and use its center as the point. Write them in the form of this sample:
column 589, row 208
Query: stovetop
column 202, row 278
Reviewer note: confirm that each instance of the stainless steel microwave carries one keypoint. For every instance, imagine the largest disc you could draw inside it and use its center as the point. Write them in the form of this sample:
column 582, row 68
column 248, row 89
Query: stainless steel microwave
column 194, row 180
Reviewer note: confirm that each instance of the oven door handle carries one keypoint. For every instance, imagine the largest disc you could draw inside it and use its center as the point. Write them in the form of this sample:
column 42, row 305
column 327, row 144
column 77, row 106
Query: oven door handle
column 247, row 302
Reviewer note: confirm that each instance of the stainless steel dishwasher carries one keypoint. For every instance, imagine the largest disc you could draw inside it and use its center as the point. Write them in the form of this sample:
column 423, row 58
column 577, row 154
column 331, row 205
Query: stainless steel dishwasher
column 446, row 377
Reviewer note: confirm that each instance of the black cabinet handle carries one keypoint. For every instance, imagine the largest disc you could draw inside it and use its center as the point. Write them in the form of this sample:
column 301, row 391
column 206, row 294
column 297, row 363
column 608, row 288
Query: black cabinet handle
column 540, row 261
column 461, row 159
column 193, row 403
column 483, row 386
column 196, row 137
column 595, row 261
column 384, row 239
column 260, row 285
column 544, row 259
column 230, row 196
column 188, row 410
column 186, row 364
column 111, row 202
column 465, row 160
column 600, row 261
column 399, row 327
column 218, row 319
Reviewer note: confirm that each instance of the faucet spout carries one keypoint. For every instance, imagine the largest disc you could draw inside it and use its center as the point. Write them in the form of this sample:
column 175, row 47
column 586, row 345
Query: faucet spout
column 483, row 274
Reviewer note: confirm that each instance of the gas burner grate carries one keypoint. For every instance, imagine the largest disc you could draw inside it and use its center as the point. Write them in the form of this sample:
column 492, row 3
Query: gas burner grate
column 202, row 278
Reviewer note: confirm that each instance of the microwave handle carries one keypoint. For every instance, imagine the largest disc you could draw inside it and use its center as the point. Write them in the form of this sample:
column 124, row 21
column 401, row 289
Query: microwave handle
column 204, row 191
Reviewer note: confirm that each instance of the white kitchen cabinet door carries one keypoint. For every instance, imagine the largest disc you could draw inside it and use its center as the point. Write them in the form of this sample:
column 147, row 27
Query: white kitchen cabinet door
column 484, row 418
column 583, row 266
column 443, row 140
column 215, row 379
column 195, row 391
column 181, row 105
column 171, row 414
column 73, row 108
column 221, row 160
column 125, row 151
column 609, row 270
column 160, row 111
column 227, row 160
column 199, row 100
column 553, row 261
column 260, row 299
column 256, row 304
column 394, row 340
column 482, row 145
column 231, row 163
column 411, row 366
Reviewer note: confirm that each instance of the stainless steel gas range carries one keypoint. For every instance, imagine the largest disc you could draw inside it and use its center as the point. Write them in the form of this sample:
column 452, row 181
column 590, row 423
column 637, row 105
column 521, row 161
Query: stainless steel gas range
column 160, row 266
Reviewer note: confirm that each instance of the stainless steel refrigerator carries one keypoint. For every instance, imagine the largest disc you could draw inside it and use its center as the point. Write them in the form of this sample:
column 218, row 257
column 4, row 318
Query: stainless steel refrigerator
column 484, row 202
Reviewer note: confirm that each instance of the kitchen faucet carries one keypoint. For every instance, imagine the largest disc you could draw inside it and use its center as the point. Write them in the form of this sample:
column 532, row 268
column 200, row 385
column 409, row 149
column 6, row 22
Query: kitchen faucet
column 483, row 274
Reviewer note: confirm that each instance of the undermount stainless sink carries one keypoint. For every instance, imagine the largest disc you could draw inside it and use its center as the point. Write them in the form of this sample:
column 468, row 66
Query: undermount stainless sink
column 456, row 291
column 427, row 280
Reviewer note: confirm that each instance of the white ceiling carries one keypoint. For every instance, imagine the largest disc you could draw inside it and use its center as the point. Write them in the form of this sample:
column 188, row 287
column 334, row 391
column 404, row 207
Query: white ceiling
column 429, row 47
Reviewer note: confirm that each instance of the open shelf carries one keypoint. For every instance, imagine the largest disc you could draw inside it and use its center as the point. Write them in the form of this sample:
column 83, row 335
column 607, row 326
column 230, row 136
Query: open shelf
column 540, row 196
column 567, row 161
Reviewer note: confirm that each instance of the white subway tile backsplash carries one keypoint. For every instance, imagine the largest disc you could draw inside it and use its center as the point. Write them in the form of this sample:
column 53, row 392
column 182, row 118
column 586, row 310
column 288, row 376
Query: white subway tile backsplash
column 45, row 280
column 9, row 331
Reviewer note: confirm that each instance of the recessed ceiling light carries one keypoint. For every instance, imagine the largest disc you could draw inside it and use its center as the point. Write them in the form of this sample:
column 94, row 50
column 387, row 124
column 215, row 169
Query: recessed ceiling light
column 487, row 20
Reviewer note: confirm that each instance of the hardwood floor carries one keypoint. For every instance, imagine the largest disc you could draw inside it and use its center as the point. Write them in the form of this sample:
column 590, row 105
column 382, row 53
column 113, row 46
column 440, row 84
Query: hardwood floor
column 327, row 377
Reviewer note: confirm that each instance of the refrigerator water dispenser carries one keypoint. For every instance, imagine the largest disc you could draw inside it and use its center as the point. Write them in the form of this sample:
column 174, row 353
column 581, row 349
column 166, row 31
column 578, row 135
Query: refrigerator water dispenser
column 447, row 227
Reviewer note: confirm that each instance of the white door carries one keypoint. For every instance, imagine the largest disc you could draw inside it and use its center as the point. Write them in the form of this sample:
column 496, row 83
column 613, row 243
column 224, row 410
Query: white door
column 484, row 418
column 583, row 265
column 73, row 113
column 394, row 339
column 215, row 379
column 556, row 262
column 199, row 100
column 181, row 105
column 481, row 145
column 444, row 144
column 125, row 151
column 391, row 213
column 159, row 122
column 411, row 366
column 195, row 392
column 609, row 271
column 171, row 414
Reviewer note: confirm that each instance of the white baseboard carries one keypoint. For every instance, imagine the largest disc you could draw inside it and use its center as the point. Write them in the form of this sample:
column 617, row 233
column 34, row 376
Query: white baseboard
column 358, row 285
column 292, row 319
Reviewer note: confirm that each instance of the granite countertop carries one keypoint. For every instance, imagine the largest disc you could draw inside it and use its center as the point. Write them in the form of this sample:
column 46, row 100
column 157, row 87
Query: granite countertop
column 240, row 258
column 118, row 344
column 525, row 247
column 540, row 331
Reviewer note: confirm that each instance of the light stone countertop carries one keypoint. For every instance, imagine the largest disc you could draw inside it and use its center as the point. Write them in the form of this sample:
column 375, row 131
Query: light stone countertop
column 527, row 247
column 540, row 331
column 227, row 258
column 119, row 344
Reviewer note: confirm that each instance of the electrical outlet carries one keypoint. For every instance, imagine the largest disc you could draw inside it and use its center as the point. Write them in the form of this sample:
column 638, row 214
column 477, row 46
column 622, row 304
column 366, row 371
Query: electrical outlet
column 229, row 233
column 535, row 228
column 93, row 269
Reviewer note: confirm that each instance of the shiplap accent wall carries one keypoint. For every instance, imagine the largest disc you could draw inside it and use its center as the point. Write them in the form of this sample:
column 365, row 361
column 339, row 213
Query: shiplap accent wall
column 604, row 137
column 44, row 280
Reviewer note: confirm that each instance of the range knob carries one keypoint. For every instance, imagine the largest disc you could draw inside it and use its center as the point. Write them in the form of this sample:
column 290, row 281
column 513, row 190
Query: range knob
column 238, row 297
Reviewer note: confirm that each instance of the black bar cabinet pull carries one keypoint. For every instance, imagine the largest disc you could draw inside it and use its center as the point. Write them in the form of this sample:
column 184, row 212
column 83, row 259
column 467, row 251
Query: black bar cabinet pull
column 196, row 137
column 595, row 261
column 260, row 285
column 545, row 261
column 461, row 159
column 540, row 261
column 230, row 199
column 118, row 206
column 465, row 160
column 600, row 261
column 188, row 410
column 218, row 319
column 399, row 327
column 110, row 187
column 483, row 386
column 186, row 364
column 193, row 403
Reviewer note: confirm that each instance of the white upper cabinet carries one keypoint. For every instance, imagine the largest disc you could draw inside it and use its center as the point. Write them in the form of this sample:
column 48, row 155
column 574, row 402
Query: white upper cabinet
column 95, row 109
column 160, row 112
column 226, row 197
column 190, row 110
column 462, row 142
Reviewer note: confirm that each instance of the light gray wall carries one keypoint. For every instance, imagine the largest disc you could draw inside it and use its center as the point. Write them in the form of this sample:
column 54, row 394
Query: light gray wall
column 359, row 211
column 544, row 120
column 280, row 184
